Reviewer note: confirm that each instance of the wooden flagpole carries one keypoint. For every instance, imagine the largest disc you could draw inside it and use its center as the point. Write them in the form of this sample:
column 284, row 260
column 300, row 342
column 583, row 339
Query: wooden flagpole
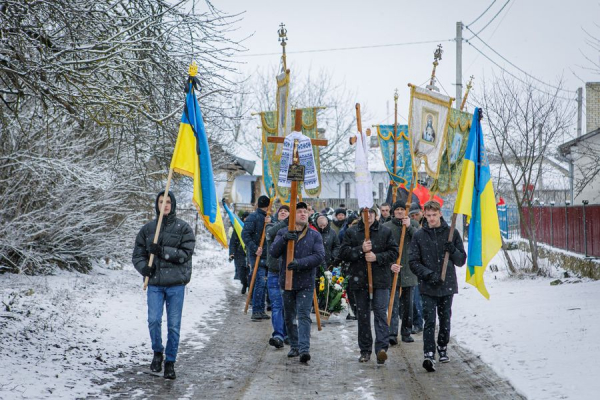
column 255, row 270
column 365, row 214
column 159, row 223
column 395, row 192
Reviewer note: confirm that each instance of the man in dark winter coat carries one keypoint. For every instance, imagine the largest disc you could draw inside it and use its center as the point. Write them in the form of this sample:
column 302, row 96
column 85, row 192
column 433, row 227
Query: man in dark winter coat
column 171, row 270
column 331, row 243
column 279, row 332
column 426, row 259
column 238, row 255
column 308, row 255
column 381, row 251
column 385, row 213
column 407, row 280
column 339, row 218
column 251, row 234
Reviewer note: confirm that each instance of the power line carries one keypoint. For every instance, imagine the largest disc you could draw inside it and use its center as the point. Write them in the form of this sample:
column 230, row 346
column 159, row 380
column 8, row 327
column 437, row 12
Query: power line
column 521, row 70
column 516, row 77
column 347, row 48
column 492, row 20
column 486, row 10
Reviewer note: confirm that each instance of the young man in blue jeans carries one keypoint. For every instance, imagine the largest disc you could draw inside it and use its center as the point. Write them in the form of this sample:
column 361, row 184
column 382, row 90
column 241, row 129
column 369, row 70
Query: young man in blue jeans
column 171, row 270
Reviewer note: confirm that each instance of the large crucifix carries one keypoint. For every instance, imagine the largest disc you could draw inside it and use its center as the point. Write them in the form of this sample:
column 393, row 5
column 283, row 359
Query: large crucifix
column 289, row 274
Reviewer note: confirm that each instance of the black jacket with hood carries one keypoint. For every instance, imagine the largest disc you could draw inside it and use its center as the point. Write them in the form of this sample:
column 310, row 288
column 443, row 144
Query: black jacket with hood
column 331, row 243
column 426, row 258
column 173, row 266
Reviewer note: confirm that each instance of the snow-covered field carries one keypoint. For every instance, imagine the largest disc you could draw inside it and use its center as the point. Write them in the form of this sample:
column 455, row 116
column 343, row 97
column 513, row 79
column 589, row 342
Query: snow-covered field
column 62, row 334
column 543, row 338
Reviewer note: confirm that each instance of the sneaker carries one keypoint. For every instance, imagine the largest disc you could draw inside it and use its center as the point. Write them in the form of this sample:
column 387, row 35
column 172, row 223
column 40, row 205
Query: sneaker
column 393, row 340
column 276, row 342
column 381, row 356
column 429, row 362
column 265, row 316
column 293, row 353
column 156, row 365
column 364, row 357
column 170, row 370
column 256, row 317
column 407, row 339
column 443, row 354
column 304, row 358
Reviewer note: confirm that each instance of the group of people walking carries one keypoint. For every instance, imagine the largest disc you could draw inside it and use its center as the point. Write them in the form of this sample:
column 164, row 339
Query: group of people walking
column 322, row 243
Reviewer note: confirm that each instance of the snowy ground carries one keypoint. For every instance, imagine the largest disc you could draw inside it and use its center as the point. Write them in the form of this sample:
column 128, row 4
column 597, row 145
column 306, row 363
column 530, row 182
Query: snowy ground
column 61, row 334
column 542, row 338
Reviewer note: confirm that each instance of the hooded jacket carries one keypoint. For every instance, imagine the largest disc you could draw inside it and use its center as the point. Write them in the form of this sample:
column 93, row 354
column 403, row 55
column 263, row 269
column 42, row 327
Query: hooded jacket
column 173, row 266
column 271, row 233
column 426, row 258
column 308, row 252
column 384, row 247
column 251, row 234
column 331, row 243
column 407, row 277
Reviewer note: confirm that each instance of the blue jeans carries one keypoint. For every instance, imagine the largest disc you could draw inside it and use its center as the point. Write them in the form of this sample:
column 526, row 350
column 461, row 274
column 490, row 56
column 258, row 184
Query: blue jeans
column 298, row 303
column 276, row 306
column 173, row 297
column 417, row 308
column 260, row 287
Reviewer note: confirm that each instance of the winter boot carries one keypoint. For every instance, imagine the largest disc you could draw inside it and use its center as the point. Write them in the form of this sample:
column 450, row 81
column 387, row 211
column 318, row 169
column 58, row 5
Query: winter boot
column 293, row 353
column 365, row 356
column 429, row 362
column 244, row 288
column 156, row 365
column 443, row 354
column 276, row 342
column 407, row 339
column 381, row 356
column 304, row 358
column 393, row 340
column 169, row 370
column 256, row 317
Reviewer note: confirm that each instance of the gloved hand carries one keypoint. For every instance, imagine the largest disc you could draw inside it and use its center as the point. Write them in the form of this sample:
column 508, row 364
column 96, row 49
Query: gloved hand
column 155, row 249
column 434, row 279
column 293, row 265
column 290, row 235
column 147, row 271
column 231, row 257
column 449, row 247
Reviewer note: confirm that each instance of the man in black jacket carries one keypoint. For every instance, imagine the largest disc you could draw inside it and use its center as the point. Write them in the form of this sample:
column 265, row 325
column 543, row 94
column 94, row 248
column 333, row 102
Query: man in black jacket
column 331, row 242
column 171, row 270
column 251, row 234
column 426, row 258
column 381, row 250
column 237, row 254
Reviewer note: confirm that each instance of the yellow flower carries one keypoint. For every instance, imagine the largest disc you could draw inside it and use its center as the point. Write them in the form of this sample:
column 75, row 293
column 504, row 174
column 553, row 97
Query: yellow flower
column 341, row 279
column 321, row 287
column 322, row 279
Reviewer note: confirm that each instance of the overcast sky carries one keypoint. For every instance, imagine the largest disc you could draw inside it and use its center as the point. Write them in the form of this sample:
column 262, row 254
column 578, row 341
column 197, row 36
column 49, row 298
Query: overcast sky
column 543, row 37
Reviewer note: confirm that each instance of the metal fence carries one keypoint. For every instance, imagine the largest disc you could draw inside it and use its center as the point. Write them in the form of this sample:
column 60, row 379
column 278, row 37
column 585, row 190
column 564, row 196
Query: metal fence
column 508, row 217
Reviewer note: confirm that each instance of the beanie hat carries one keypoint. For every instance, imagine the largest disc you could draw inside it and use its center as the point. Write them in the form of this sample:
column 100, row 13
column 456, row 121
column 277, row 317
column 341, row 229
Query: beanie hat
column 399, row 204
column 339, row 211
column 283, row 207
column 263, row 201
column 415, row 208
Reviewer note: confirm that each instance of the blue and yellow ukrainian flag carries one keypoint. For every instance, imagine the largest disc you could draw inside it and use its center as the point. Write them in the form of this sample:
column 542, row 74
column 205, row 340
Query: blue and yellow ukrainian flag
column 191, row 157
column 237, row 223
column 476, row 200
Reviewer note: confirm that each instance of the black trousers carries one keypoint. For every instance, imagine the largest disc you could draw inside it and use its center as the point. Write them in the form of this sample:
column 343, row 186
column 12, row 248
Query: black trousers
column 443, row 307
column 379, row 306
column 402, row 311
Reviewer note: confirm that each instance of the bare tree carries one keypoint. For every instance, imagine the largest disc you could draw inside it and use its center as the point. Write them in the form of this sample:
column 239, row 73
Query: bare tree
column 524, row 125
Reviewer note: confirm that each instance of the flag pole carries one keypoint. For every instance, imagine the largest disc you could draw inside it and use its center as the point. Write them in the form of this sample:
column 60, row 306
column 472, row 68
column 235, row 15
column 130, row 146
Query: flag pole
column 400, row 250
column 158, row 224
column 262, row 240
column 365, row 214
column 394, row 193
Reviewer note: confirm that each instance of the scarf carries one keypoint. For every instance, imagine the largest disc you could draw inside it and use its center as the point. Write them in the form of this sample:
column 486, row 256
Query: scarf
column 305, row 154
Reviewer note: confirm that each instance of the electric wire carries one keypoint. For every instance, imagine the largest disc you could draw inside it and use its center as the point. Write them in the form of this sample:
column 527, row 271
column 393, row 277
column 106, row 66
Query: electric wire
column 505, row 4
column 481, row 15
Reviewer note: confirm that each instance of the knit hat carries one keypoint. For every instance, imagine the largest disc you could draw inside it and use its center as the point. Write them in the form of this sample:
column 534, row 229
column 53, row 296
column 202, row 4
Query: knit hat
column 283, row 207
column 399, row 204
column 339, row 211
column 415, row 208
column 263, row 201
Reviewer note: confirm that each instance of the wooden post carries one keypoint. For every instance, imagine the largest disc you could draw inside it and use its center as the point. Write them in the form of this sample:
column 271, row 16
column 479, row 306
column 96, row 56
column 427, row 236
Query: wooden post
column 255, row 270
column 159, row 223
column 447, row 255
column 316, row 305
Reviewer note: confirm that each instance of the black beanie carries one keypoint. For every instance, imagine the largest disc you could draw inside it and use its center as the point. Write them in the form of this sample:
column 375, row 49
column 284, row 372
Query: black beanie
column 339, row 211
column 263, row 201
column 398, row 204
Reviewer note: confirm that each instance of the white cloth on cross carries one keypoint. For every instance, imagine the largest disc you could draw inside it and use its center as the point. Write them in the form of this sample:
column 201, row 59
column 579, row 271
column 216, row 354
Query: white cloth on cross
column 364, row 183
column 306, row 158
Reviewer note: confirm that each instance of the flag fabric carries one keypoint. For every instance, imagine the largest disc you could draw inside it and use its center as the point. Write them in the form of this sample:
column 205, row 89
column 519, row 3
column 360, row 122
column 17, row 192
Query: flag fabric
column 191, row 157
column 427, row 126
column 305, row 157
column 237, row 224
column 404, row 167
column 476, row 200
column 364, row 183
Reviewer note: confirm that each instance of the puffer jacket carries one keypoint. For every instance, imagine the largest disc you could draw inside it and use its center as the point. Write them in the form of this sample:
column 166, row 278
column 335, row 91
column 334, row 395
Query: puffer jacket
column 426, row 257
column 308, row 252
column 384, row 247
column 407, row 277
column 331, row 243
column 173, row 266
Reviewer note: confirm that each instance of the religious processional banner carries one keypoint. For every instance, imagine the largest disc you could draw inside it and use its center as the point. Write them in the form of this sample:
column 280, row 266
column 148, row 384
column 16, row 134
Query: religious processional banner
column 452, row 159
column 404, row 167
column 271, row 152
column 284, row 111
column 428, row 125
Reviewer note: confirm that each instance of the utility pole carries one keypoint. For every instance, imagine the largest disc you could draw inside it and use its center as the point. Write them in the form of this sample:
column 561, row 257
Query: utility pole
column 459, row 40
column 579, row 110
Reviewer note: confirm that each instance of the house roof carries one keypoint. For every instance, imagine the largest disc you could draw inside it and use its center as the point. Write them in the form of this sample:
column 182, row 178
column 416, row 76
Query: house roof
column 565, row 148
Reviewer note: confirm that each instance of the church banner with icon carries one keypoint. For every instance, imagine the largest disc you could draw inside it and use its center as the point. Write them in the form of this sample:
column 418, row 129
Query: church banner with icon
column 404, row 166
column 428, row 125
